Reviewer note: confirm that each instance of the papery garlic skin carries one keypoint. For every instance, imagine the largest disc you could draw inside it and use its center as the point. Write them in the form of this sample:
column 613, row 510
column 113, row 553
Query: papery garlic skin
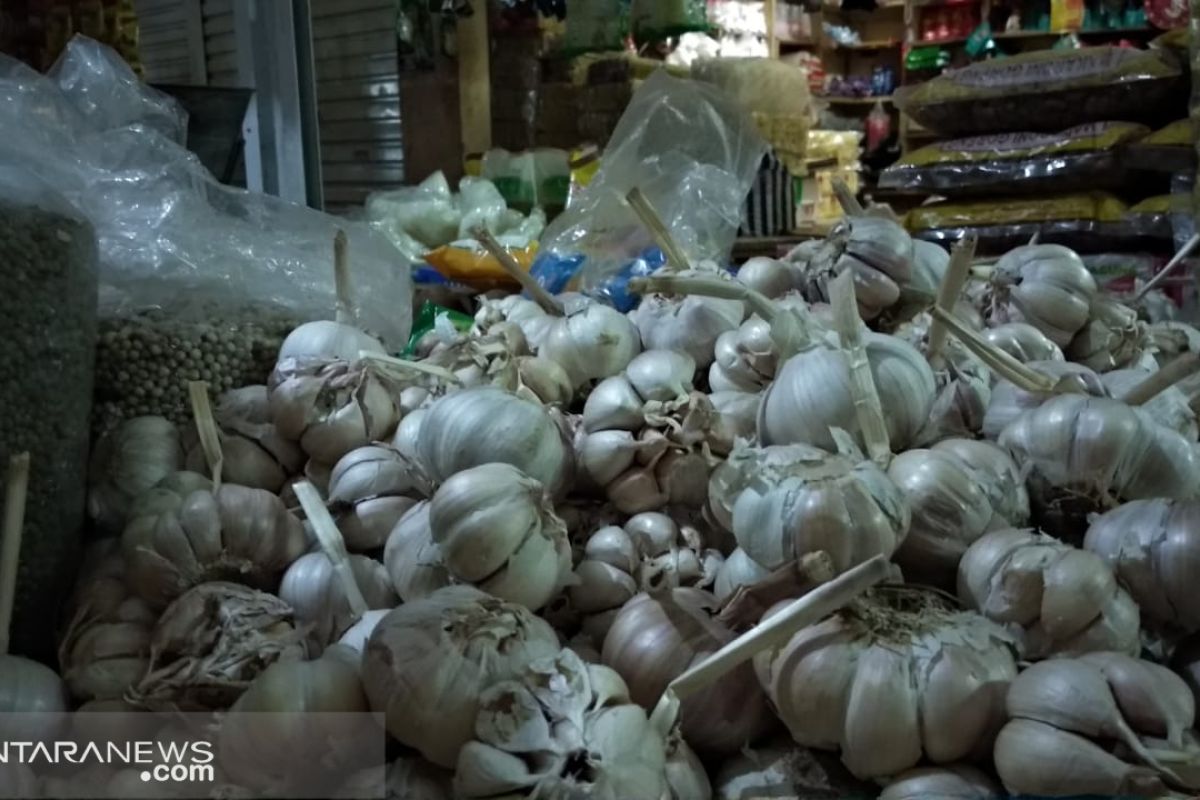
column 953, row 782
column 128, row 461
column 533, row 321
column 311, row 587
column 737, row 418
column 371, row 488
column 1153, row 547
column 486, row 425
column 811, row 394
column 496, row 528
column 1055, row 600
column 1112, row 338
column 413, row 561
column 737, row 570
column 357, row 635
column 788, row 501
column 655, row 638
column 328, row 340
column 428, row 663
column 951, row 502
column 1047, row 286
column 784, row 769
column 688, row 324
column 1009, row 402
column 892, row 684
column 1088, row 453
column 1169, row 407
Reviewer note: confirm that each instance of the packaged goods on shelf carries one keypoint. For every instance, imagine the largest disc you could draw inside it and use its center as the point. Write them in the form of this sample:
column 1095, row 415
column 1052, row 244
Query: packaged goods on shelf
column 1048, row 90
column 1169, row 149
column 1087, row 156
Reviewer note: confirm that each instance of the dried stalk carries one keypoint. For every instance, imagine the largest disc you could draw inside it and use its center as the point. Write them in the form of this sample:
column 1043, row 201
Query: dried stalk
column 676, row 258
column 746, row 606
column 549, row 303
column 332, row 543
column 1182, row 366
column 1175, row 261
column 16, row 490
column 206, row 427
column 341, row 280
column 867, row 405
column 999, row 361
column 951, row 287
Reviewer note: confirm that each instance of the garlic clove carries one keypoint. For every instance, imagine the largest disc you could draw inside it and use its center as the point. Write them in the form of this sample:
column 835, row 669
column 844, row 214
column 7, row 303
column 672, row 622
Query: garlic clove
column 652, row 533
column 601, row 587
column 635, row 491
column 613, row 546
column 1077, row 585
column 952, row 782
column 605, row 454
column 1154, row 700
column 957, row 706
column 485, row 771
column 661, row 374
column 683, row 478
column 372, row 471
column 881, row 713
column 407, row 432
column 534, row 572
column 592, row 342
column 613, row 405
column 545, row 379
column 413, row 561
column 367, row 525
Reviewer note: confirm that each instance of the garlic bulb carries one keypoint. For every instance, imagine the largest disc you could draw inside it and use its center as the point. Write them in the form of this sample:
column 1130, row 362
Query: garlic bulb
column 781, row 769
column 1023, row 342
column 486, row 425
column 319, row 600
column 929, row 264
column 1058, row 707
column 951, row 502
column 768, row 276
column 532, row 320
column 878, row 251
column 649, row 553
column 656, row 637
column 537, row 379
column 687, row 324
column 404, row 441
column 591, row 341
column 812, row 393
column 1152, row 546
column 106, row 645
column 745, row 359
column 428, row 663
column 963, row 396
column 1169, row 407
column 326, row 340
column 737, row 570
column 235, row 533
column 1009, row 402
column 953, row 782
column 784, row 502
column 1086, row 454
column 1111, row 339
column 357, row 635
column 1055, row 600
column 413, row 561
column 496, row 528
column 211, row 643
column 370, row 489
column 128, row 461
column 891, row 680
column 561, row 728
column 277, row 736
column 255, row 454
column 35, row 697
column 1045, row 285
column 331, row 407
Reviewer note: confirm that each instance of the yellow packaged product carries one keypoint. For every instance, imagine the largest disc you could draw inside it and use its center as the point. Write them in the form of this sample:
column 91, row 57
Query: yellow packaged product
column 1156, row 216
column 477, row 268
column 1079, row 220
column 1168, row 149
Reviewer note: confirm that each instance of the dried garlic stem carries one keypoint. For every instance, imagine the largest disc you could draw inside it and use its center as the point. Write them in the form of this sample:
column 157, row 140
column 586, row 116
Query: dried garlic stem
column 1000, row 361
column 334, row 547
column 746, row 606
column 867, row 406
column 846, row 199
column 707, row 287
column 549, row 303
column 1037, row 237
column 397, row 365
column 206, row 427
column 676, row 259
column 341, row 280
column 1179, row 368
column 948, row 292
column 15, row 490
column 1175, row 261
column 807, row 610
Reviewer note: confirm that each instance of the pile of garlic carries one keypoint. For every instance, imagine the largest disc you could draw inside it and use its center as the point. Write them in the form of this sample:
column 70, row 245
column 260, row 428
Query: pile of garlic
column 522, row 543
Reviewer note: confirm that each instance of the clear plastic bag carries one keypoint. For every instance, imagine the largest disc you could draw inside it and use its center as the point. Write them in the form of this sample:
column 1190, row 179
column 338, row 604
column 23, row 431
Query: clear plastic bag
column 171, row 237
column 693, row 152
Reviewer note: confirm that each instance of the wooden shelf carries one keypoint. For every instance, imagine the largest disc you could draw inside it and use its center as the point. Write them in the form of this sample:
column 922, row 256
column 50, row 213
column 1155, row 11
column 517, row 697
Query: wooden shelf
column 1056, row 34
column 855, row 101
column 882, row 44
column 939, row 42
column 797, row 43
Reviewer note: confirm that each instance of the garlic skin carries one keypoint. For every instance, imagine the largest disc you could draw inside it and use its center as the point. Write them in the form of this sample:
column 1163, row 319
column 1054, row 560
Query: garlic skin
column 689, row 324
column 235, row 533
column 105, row 647
column 1009, row 402
column 737, row 418
column 744, row 360
column 890, row 681
column 1088, row 453
column 404, row 441
column 953, row 782
column 1023, row 342
column 413, row 561
column 613, row 405
column 128, row 461
column 1169, row 407
column 784, row 502
column 1153, row 547
column 369, row 490
column 1112, row 338
column 951, row 503
column 767, row 276
column 356, row 636
column 429, row 662
column 527, row 315
column 661, row 374
column 496, row 528
column 783, row 769
column 1054, row 599
column 328, row 340
column 542, row 380
column 878, row 251
column 291, row 716
column 319, row 601
column 486, row 425
column 656, row 637
column 737, row 570
column 331, row 407
column 1047, row 286
column 592, row 342
column 562, row 728
column 685, row 773
column 210, row 643
column 811, row 394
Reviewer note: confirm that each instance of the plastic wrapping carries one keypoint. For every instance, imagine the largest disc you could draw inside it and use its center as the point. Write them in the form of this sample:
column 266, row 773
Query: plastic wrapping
column 48, row 317
column 1169, row 149
column 1047, row 90
column 1084, row 157
column 692, row 151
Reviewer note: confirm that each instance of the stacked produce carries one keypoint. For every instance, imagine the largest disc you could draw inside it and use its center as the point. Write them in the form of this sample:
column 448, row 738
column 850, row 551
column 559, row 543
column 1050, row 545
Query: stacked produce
column 847, row 524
